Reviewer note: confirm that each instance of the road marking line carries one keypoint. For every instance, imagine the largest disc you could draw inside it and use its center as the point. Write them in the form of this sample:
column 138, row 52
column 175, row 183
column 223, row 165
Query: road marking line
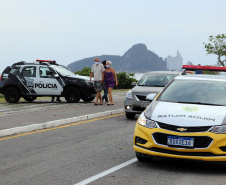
column 104, row 173
column 64, row 126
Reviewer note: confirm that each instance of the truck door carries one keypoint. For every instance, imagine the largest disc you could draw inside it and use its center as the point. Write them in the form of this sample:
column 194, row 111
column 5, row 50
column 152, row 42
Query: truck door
column 29, row 78
column 47, row 82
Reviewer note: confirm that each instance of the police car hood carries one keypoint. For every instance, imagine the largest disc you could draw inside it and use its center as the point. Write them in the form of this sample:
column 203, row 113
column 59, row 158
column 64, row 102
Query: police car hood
column 179, row 114
column 145, row 90
column 80, row 77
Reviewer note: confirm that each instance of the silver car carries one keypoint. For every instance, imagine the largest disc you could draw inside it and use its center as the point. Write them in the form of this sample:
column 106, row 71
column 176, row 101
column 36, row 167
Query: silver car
column 152, row 82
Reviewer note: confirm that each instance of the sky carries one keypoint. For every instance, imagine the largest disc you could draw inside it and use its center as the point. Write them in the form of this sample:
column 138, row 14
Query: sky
column 71, row 30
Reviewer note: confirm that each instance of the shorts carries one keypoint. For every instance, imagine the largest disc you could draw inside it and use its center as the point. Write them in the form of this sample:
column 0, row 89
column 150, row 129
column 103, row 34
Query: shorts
column 98, row 86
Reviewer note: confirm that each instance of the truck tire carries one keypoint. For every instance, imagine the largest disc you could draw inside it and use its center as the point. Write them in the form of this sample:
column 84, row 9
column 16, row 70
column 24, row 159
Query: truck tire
column 88, row 99
column 30, row 98
column 72, row 95
column 12, row 95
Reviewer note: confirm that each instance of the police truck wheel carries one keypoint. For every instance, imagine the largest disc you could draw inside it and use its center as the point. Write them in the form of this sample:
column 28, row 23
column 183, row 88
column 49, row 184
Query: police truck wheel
column 88, row 99
column 130, row 115
column 30, row 98
column 12, row 95
column 72, row 95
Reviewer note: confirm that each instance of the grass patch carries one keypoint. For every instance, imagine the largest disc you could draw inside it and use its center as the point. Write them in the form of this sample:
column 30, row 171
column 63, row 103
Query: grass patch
column 120, row 90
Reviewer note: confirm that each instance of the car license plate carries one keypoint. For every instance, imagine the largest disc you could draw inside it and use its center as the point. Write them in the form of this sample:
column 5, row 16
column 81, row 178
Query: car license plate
column 180, row 141
column 144, row 104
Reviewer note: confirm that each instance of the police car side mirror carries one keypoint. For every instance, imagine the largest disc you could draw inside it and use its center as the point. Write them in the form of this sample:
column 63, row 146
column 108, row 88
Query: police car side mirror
column 56, row 76
column 133, row 83
column 150, row 97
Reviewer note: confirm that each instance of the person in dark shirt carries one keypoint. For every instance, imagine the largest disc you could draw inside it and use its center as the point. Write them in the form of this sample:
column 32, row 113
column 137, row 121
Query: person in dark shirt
column 105, row 96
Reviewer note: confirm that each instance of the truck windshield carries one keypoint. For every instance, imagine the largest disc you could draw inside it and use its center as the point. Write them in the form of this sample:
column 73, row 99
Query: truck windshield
column 156, row 80
column 63, row 71
column 195, row 92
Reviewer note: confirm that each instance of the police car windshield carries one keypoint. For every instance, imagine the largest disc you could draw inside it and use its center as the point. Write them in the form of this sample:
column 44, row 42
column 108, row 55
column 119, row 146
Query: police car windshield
column 156, row 80
column 195, row 92
column 63, row 71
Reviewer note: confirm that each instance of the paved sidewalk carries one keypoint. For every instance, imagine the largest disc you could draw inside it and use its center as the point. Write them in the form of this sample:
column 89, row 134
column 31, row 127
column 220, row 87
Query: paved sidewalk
column 43, row 111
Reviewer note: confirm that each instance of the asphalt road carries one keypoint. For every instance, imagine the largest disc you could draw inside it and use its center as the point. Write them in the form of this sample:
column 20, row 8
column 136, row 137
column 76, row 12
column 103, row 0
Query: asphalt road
column 42, row 110
column 74, row 153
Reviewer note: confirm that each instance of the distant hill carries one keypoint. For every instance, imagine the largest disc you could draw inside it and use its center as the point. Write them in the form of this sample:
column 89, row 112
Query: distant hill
column 138, row 59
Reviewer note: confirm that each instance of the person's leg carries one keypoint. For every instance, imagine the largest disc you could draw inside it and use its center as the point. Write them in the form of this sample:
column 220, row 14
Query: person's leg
column 106, row 95
column 97, row 97
column 101, row 102
column 58, row 98
column 96, row 88
column 110, row 95
column 103, row 97
column 52, row 99
column 112, row 102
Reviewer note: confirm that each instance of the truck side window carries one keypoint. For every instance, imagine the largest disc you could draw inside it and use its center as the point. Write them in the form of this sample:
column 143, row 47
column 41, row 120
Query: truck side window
column 46, row 72
column 29, row 71
column 14, row 71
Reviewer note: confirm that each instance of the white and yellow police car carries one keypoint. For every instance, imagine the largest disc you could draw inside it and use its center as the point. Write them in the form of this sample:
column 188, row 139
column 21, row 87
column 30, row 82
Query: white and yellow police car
column 186, row 120
column 44, row 78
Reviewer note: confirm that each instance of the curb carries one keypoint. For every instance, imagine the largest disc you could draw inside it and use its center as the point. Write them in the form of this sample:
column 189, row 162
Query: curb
column 56, row 123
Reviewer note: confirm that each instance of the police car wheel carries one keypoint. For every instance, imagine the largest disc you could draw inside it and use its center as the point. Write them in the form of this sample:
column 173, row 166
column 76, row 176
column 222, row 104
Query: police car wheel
column 88, row 99
column 30, row 98
column 72, row 95
column 12, row 95
column 143, row 157
column 130, row 115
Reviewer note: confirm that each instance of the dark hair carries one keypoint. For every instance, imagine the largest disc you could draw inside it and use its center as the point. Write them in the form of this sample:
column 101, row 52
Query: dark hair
column 104, row 62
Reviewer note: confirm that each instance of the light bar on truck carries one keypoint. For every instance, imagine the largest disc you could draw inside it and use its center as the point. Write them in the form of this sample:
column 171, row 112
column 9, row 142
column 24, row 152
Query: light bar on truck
column 48, row 61
column 204, row 68
column 45, row 60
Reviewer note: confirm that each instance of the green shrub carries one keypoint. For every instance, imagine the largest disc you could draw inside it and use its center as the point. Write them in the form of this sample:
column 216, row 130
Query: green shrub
column 125, row 80
column 86, row 71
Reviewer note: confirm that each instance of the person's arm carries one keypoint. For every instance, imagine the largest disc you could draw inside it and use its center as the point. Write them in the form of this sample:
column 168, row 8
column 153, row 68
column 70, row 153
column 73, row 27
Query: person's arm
column 116, row 80
column 103, row 73
column 91, row 76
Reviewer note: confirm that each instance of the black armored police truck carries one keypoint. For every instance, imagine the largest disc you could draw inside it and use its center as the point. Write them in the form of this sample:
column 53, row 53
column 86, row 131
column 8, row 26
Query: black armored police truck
column 44, row 78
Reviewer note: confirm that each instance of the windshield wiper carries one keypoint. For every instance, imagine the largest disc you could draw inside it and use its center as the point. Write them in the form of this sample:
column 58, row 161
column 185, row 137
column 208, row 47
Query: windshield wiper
column 200, row 103
column 152, row 85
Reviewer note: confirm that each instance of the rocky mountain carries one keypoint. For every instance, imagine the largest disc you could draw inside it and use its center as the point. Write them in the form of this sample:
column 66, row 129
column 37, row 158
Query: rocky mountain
column 138, row 59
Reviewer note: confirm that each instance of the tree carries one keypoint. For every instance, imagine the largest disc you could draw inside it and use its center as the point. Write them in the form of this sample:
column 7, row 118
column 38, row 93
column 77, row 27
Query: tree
column 217, row 46
column 86, row 71
column 125, row 80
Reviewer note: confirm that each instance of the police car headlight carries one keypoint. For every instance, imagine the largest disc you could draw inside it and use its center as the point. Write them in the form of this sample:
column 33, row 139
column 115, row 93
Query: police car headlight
column 142, row 120
column 219, row 129
column 129, row 95
column 88, row 82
